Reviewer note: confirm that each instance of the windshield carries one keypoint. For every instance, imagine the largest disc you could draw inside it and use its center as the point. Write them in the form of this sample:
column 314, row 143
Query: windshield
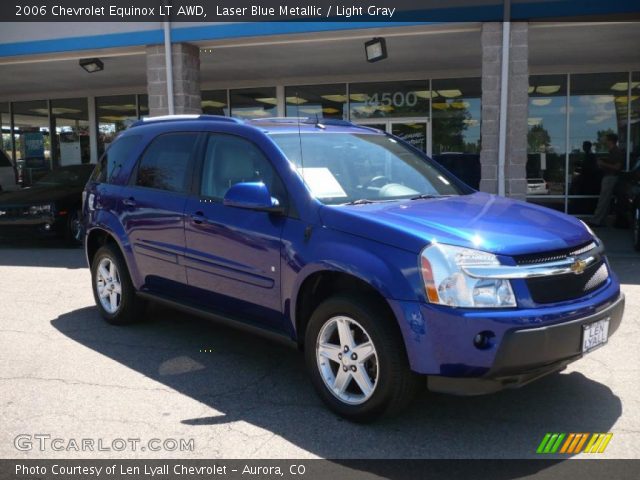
column 75, row 176
column 349, row 167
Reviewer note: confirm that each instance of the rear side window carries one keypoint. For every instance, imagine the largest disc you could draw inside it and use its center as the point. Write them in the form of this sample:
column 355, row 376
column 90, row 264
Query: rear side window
column 4, row 160
column 165, row 164
column 113, row 159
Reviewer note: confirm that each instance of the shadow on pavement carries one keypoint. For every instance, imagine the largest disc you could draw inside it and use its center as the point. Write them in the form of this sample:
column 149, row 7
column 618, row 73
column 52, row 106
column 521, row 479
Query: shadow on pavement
column 263, row 383
column 52, row 253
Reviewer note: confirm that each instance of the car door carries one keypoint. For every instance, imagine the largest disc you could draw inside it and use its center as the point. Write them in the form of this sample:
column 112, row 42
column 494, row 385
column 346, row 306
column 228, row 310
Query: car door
column 153, row 212
column 233, row 254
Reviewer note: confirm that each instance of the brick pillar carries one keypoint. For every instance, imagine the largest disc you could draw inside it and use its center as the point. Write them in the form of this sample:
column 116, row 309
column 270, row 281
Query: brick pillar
column 518, row 112
column 517, row 109
column 186, row 79
column 491, row 40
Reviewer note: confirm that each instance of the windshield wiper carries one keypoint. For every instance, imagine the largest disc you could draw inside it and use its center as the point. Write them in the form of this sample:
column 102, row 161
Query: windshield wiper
column 428, row 196
column 360, row 201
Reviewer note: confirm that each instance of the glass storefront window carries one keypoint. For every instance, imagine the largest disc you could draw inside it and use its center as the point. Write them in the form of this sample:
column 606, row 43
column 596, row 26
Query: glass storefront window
column 456, row 113
column 5, row 124
column 214, row 102
column 143, row 106
column 70, row 122
column 598, row 107
column 328, row 101
column 32, row 140
column 634, row 130
column 547, row 140
column 389, row 99
column 114, row 113
column 254, row 102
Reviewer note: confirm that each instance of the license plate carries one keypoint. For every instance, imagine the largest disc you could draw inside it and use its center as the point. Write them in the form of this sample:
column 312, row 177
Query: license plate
column 595, row 335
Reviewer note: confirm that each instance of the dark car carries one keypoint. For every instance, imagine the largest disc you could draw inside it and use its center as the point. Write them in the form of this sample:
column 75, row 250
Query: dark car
column 51, row 207
column 353, row 246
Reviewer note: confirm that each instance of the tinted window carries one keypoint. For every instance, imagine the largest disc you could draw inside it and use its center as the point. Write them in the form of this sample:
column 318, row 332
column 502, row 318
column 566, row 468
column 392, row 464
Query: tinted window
column 230, row 160
column 114, row 158
column 73, row 176
column 165, row 163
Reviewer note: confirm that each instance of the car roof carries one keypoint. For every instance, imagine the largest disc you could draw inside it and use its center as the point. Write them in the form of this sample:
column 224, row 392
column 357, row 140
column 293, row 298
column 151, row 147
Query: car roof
column 267, row 125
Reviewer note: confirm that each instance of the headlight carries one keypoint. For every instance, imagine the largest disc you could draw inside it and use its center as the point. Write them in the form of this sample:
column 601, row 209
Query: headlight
column 446, row 283
column 39, row 209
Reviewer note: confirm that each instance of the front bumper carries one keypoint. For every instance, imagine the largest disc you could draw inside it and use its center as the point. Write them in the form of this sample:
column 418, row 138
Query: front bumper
column 527, row 354
column 27, row 227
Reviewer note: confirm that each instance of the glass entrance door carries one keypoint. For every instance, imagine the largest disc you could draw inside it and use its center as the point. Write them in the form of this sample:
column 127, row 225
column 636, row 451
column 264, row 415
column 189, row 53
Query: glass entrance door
column 416, row 131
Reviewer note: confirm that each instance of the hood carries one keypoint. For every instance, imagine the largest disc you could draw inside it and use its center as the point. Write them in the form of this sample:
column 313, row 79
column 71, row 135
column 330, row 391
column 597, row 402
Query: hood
column 482, row 221
column 37, row 195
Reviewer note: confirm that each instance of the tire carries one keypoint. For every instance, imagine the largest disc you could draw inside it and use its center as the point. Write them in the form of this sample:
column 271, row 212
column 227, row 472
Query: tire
column 109, row 271
column 636, row 228
column 71, row 232
column 393, row 384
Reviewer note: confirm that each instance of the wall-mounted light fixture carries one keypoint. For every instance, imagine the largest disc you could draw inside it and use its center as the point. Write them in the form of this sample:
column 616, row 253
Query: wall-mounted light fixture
column 92, row 65
column 376, row 49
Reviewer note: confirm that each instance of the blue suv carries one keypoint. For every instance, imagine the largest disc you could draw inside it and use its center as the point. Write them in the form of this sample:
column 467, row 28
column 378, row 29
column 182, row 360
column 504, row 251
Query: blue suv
column 386, row 270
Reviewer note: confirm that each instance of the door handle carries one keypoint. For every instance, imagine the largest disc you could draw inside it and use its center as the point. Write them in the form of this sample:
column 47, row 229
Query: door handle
column 198, row 218
column 129, row 202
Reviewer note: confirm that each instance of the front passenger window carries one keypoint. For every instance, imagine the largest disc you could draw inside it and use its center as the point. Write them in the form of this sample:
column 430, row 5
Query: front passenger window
column 230, row 160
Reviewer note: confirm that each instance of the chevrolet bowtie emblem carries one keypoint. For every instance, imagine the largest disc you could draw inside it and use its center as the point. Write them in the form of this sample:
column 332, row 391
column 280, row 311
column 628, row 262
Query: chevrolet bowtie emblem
column 578, row 266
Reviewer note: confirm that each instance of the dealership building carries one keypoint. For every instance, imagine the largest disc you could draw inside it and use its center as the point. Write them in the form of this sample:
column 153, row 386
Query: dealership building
column 522, row 118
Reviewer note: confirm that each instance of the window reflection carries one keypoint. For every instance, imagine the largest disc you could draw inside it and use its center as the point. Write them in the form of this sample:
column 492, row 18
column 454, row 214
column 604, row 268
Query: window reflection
column 5, row 123
column 546, row 139
column 115, row 113
column 214, row 102
column 634, row 128
column 323, row 101
column 598, row 106
column 254, row 102
column 456, row 115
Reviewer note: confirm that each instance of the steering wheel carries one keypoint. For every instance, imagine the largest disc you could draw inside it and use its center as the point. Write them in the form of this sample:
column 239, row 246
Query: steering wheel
column 378, row 181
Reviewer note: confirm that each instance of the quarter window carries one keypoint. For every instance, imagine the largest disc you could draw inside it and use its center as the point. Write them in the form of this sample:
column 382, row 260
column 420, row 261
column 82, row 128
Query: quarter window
column 113, row 159
column 166, row 162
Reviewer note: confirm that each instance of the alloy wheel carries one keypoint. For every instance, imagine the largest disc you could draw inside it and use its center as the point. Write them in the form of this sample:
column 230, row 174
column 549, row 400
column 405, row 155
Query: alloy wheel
column 347, row 360
column 108, row 285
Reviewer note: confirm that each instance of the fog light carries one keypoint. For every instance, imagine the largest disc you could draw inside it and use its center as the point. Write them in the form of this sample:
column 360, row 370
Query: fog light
column 483, row 340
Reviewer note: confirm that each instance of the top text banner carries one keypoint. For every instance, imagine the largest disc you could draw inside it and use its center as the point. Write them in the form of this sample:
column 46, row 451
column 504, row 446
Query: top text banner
column 311, row 10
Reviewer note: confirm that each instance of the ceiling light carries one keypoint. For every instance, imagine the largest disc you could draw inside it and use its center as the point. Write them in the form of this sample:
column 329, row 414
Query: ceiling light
column 623, row 86
column 92, row 65
column 335, row 98
column 533, row 121
column 376, row 49
column 450, row 93
column 213, row 104
column 548, row 89
column 296, row 100
column 268, row 100
column 425, row 94
column 118, row 108
column 330, row 110
column 540, row 102
column 532, row 89
column 359, row 97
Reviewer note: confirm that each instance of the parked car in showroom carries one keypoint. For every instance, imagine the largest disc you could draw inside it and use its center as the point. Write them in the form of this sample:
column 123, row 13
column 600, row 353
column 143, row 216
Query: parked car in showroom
column 51, row 207
column 8, row 174
column 352, row 245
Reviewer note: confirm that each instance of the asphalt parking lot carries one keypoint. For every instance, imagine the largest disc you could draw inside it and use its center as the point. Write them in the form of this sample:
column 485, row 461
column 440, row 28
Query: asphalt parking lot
column 65, row 373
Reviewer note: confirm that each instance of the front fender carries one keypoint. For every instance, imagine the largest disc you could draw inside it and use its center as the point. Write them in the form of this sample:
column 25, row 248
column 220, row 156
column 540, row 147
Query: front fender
column 390, row 271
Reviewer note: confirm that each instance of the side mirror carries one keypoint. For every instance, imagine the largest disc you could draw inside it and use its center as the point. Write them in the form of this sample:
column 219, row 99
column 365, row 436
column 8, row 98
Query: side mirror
column 252, row 196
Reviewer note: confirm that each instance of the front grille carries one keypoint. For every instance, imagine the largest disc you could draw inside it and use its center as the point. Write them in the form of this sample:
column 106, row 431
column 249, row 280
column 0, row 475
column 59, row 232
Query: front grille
column 560, row 288
column 554, row 255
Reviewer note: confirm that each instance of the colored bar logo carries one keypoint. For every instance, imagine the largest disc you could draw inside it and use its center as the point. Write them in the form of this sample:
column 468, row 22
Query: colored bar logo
column 573, row 443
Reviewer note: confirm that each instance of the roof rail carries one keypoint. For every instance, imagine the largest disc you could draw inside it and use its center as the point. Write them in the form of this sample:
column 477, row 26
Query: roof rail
column 305, row 120
column 166, row 118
